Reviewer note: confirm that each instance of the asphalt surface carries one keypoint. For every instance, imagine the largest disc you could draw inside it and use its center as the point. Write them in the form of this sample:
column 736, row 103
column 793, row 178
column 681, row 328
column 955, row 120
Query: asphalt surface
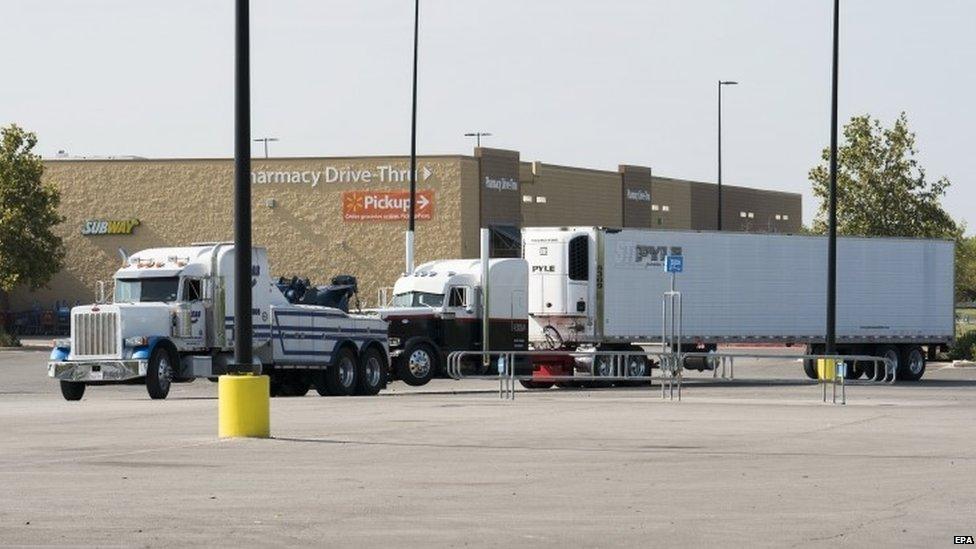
column 746, row 463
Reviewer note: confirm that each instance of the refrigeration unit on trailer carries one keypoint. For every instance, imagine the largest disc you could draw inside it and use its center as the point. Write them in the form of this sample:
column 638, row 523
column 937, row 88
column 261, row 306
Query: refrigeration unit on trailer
column 603, row 288
column 438, row 309
column 172, row 320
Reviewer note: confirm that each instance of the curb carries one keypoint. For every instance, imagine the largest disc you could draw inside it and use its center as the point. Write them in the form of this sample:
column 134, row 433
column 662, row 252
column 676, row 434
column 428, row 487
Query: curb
column 27, row 348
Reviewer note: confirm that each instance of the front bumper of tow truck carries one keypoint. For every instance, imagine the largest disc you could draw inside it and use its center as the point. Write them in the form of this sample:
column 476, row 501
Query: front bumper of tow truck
column 97, row 370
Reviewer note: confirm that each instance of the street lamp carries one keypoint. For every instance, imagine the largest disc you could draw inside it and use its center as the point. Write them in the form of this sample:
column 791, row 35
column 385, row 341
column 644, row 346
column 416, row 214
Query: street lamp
column 265, row 140
column 831, row 336
column 720, row 84
column 478, row 135
column 413, row 144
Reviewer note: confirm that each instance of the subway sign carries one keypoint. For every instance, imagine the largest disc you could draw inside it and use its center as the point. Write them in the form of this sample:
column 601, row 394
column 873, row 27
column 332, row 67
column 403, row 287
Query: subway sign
column 96, row 227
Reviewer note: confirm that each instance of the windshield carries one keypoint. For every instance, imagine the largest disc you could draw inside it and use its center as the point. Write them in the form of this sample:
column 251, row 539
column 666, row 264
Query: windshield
column 146, row 289
column 418, row 299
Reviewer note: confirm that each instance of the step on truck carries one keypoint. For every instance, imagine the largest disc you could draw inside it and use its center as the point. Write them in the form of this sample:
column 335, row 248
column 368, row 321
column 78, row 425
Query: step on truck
column 171, row 321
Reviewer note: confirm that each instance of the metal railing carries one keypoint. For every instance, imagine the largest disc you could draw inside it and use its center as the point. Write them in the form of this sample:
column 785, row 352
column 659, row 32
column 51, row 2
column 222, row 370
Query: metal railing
column 637, row 367
column 603, row 367
column 726, row 362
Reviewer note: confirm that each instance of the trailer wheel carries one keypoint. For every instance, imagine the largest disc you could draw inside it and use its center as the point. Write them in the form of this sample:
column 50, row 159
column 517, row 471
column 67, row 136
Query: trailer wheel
column 372, row 372
column 892, row 353
column 159, row 374
column 536, row 384
column 855, row 371
column 72, row 390
column 339, row 379
column 417, row 364
column 912, row 364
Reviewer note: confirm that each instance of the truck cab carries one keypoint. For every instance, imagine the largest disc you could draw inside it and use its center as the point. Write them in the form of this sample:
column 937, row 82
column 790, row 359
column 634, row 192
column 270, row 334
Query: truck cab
column 438, row 309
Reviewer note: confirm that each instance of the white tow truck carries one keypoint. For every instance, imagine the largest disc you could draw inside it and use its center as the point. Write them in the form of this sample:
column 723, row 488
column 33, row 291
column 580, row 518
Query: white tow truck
column 171, row 320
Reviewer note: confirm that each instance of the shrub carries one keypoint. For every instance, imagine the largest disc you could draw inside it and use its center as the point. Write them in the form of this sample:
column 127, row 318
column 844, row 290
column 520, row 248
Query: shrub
column 965, row 347
column 8, row 339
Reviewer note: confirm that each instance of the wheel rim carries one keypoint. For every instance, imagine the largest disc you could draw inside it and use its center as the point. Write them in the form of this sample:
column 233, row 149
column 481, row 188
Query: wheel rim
column 419, row 363
column 372, row 372
column 604, row 368
column 916, row 362
column 635, row 368
column 165, row 371
column 347, row 371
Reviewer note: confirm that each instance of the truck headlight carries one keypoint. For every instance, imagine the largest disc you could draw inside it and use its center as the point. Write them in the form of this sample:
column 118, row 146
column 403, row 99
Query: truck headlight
column 136, row 341
column 394, row 342
column 62, row 343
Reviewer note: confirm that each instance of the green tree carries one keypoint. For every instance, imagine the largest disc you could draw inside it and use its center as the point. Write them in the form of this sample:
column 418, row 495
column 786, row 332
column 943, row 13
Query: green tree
column 883, row 191
column 30, row 252
column 966, row 269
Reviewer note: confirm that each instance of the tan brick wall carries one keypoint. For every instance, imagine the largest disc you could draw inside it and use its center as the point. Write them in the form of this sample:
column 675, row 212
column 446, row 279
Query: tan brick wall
column 183, row 201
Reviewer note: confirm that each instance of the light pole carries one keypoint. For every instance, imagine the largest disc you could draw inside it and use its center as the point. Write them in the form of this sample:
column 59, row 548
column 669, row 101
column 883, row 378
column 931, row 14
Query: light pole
column 477, row 135
column 265, row 140
column 413, row 143
column 831, row 339
column 243, row 352
column 720, row 84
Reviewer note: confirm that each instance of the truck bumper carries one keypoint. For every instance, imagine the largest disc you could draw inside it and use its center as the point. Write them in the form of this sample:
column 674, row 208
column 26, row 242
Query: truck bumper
column 97, row 370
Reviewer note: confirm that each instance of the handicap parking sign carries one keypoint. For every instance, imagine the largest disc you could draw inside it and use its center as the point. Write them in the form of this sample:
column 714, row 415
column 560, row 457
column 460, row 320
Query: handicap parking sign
column 674, row 263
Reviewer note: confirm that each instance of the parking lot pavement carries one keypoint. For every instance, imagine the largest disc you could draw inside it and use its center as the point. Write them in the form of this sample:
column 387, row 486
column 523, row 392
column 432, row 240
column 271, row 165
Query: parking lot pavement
column 747, row 463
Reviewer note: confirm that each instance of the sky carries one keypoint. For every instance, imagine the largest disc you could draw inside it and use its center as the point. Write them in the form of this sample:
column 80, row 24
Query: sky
column 591, row 84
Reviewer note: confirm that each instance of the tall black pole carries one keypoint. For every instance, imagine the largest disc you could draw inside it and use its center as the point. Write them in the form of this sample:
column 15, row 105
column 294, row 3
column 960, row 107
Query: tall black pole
column 413, row 141
column 243, row 357
column 832, row 221
column 720, row 155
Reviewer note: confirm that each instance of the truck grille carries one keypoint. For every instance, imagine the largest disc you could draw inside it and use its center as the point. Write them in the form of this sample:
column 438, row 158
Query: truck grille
column 95, row 334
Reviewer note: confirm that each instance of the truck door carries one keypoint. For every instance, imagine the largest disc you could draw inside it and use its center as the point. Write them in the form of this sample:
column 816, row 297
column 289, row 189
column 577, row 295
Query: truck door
column 460, row 328
column 192, row 319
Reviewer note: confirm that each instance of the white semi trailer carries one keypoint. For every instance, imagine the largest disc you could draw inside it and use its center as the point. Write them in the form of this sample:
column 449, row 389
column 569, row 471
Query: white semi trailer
column 603, row 288
column 172, row 320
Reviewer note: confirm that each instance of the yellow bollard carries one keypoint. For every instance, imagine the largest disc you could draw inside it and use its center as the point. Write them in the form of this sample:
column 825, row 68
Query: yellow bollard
column 244, row 406
column 826, row 369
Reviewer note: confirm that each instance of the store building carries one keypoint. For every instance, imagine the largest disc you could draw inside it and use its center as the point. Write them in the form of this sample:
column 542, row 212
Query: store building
column 320, row 217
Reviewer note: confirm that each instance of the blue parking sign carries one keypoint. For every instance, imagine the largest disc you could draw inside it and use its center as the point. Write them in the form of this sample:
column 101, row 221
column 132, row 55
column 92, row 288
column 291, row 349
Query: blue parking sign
column 674, row 263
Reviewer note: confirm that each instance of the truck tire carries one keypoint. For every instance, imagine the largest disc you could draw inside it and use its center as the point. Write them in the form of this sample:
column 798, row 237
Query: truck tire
column 809, row 364
column 417, row 364
column 810, row 368
column 340, row 377
column 159, row 374
column 372, row 372
column 72, row 390
column 892, row 353
column 912, row 364
column 290, row 384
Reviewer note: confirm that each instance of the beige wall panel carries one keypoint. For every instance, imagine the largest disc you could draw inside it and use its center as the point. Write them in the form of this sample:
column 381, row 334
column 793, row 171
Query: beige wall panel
column 571, row 196
column 672, row 198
